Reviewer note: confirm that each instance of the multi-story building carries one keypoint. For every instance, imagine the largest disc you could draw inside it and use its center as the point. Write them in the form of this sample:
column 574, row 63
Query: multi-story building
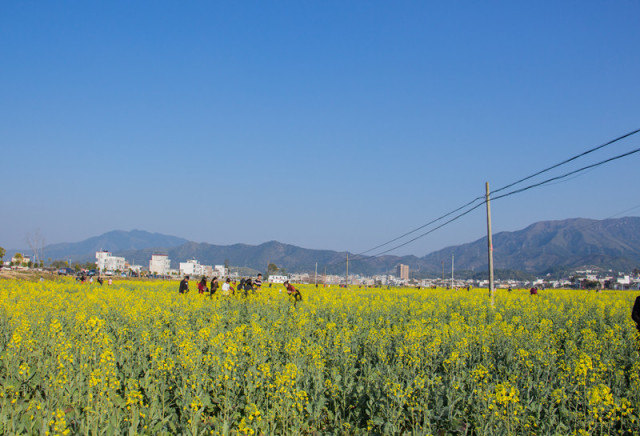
column 159, row 264
column 403, row 272
column 191, row 267
column 108, row 262
column 220, row 271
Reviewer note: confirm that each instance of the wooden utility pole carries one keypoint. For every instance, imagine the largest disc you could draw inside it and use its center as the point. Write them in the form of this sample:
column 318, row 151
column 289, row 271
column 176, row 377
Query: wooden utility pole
column 324, row 278
column 452, row 271
column 490, row 246
column 443, row 273
column 346, row 282
column 316, row 279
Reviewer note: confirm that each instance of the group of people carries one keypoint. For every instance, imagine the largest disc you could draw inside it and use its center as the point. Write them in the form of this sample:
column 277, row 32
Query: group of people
column 83, row 279
column 245, row 287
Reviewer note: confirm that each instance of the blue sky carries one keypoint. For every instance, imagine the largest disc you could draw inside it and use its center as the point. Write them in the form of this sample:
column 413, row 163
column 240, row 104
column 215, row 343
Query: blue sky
column 333, row 124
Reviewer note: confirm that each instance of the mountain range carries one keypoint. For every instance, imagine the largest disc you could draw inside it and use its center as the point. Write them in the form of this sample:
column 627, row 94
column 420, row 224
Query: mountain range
column 543, row 247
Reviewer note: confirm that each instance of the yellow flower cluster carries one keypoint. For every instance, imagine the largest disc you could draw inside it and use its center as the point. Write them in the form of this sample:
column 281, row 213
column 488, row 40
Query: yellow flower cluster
column 137, row 357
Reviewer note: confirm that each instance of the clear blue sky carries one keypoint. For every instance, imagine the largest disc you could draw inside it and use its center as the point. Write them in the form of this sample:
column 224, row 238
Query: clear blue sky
column 324, row 124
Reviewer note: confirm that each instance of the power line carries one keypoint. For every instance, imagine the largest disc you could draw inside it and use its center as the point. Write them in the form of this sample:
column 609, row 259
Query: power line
column 544, row 182
column 422, row 226
column 430, row 231
column 568, row 160
column 619, row 138
column 517, row 191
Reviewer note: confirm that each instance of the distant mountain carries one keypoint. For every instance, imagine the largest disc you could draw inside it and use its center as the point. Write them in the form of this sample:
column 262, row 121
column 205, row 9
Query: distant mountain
column 546, row 246
column 542, row 247
column 291, row 257
column 114, row 241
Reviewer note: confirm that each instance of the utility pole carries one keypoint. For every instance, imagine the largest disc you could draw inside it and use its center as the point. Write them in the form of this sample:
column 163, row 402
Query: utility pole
column 316, row 279
column 346, row 283
column 443, row 273
column 452, row 271
column 492, row 288
column 324, row 279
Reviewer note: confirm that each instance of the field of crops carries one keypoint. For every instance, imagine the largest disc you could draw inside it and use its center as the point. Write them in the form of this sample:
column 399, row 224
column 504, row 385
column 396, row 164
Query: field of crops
column 136, row 357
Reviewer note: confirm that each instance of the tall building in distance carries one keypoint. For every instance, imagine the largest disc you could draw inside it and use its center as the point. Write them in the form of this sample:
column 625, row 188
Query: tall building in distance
column 403, row 271
column 159, row 264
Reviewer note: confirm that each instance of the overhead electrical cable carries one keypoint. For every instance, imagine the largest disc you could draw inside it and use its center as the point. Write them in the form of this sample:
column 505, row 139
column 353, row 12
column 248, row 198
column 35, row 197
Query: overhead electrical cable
column 619, row 138
column 431, row 231
column 517, row 191
column 568, row 160
column 423, row 226
column 544, row 182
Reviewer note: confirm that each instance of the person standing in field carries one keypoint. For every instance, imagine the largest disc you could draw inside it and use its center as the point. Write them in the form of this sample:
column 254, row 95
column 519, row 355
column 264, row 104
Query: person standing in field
column 293, row 292
column 248, row 287
column 226, row 288
column 214, row 286
column 184, row 285
column 240, row 287
column 258, row 282
column 635, row 313
column 202, row 286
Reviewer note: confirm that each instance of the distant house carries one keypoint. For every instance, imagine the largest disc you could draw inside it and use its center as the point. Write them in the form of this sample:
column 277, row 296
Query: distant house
column 278, row 279
column 108, row 262
column 220, row 271
column 20, row 260
column 159, row 264
column 623, row 282
column 191, row 268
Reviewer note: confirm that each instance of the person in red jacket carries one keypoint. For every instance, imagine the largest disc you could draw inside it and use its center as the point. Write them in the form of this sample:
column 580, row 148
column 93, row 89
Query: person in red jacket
column 202, row 286
column 293, row 292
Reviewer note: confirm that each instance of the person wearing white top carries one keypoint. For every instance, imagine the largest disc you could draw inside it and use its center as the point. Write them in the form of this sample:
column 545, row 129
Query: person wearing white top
column 226, row 288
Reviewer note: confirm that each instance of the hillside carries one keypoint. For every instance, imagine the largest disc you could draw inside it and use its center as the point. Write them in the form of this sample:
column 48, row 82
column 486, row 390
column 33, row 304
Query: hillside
column 542, row 247
column 114, row 241
column 550, row 245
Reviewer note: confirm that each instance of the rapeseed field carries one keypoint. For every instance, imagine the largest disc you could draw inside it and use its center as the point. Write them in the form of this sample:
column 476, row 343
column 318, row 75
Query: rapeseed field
column 138, row 358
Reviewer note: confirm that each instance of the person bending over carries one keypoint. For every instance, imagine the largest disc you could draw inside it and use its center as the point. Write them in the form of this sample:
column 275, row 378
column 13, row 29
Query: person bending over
column 293, row 292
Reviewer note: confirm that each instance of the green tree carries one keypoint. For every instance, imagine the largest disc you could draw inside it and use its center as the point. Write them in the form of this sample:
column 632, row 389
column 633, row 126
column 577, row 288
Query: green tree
column 2, row 253
column 58, row 263
column 18, row 257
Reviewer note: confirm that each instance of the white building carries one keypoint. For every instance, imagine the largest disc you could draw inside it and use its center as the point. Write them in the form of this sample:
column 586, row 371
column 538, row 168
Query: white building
column 624, row 280
column 191, row 268
column 159, row 264
column 278, row 279
column 108, row 262
column 220, row 271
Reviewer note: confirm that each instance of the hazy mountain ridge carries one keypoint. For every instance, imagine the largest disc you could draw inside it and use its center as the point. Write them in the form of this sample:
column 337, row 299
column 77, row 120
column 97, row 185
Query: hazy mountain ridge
column 544, row 246
column 114, row 241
